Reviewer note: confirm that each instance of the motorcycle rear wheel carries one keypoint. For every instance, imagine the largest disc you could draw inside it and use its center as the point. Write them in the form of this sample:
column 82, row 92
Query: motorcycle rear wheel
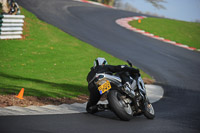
column 118, row 106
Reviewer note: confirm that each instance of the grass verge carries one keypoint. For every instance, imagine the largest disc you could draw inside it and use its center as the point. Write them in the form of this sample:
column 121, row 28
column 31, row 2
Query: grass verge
column 47, row 62
column 180, row 31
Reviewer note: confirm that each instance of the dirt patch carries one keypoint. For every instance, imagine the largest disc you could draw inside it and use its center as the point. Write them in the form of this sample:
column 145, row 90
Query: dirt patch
column 11, row 100
column 148, row 81
column 26, row 31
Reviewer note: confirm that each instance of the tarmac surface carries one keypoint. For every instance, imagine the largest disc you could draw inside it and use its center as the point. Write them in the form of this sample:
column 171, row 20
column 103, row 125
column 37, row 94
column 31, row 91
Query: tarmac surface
column 176, row 69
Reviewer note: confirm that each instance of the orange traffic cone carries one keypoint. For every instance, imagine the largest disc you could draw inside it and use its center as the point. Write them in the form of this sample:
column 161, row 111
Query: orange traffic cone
column 21, row 93
column 139, row 20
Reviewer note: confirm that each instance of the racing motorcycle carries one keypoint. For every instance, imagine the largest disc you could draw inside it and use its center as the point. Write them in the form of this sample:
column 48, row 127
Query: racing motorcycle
column 125, row 100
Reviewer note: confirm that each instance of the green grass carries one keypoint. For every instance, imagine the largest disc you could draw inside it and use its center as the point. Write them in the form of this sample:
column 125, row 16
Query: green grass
column 108, row 2
column 48, row 62
column 187, row 33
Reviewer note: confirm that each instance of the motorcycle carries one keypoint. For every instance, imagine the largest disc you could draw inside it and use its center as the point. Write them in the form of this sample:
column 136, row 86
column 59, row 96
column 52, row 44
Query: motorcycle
column 125, row 100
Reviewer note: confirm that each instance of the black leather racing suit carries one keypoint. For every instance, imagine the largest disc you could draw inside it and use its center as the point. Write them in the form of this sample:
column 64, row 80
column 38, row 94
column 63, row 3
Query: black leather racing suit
column 94, row 93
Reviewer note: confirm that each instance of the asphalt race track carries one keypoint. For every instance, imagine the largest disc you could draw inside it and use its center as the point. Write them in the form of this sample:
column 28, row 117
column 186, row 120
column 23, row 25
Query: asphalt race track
column 176, row 69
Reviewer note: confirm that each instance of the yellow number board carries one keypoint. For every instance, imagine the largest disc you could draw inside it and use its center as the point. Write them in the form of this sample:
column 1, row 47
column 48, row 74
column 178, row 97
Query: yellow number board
column 104, row 87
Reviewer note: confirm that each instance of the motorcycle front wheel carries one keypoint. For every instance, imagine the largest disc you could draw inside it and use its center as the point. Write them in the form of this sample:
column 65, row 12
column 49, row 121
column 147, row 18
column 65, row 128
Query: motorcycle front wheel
column 118, row 106
column 149, row 110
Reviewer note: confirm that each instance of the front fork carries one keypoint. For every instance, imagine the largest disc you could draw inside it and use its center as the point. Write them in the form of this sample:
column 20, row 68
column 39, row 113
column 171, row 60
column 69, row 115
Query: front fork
column 141, row 88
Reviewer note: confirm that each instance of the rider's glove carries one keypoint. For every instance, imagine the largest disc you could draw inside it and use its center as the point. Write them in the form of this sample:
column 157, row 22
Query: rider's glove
column 137, row 71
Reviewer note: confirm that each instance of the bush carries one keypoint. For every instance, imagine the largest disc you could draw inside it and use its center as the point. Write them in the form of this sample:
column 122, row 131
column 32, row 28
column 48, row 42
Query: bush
column 0, row 8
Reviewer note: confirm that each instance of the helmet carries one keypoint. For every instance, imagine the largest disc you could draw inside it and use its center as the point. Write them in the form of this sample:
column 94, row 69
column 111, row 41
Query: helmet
column 100, row 61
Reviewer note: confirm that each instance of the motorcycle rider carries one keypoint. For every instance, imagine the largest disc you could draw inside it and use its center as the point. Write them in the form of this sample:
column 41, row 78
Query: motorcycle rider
column 100, row 66
column 14, row 8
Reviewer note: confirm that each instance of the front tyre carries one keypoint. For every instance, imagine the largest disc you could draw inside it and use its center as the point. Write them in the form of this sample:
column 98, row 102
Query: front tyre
column 118, row 106
column 149, row 110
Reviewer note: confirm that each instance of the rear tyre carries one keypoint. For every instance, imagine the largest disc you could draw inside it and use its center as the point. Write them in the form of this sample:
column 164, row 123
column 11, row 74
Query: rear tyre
column 118, row 106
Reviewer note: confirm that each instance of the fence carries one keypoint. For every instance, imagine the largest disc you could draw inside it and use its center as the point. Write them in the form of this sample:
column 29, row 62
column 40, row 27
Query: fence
column 11, row 26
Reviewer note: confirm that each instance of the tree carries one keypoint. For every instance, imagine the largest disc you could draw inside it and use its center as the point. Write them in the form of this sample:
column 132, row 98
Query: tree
column 156, row 3
column 106, row 2
column 0, row 8
column 129, row 7
column 197, row 21
column 118, row 4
